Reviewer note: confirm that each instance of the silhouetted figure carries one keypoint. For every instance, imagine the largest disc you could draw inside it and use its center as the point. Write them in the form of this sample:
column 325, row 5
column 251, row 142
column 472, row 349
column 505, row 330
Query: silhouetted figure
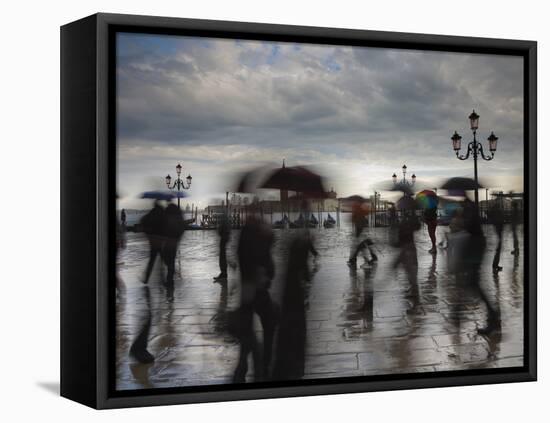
column 224, row 231
column 359, row 221
column 173, row 228
column 138, row 350
column 430, row 218
column 291, row 342
column 407, row 256
column 120, row 245
column 153, row 226
column 123, row 217
column 368, row 296
column 257, row 271
column 496, row 217
column 392, row 215
column 219, row 320
column 515, row 220
column 473, row 253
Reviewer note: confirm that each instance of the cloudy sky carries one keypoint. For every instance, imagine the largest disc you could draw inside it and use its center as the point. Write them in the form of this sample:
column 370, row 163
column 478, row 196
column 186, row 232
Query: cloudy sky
column 357, row 114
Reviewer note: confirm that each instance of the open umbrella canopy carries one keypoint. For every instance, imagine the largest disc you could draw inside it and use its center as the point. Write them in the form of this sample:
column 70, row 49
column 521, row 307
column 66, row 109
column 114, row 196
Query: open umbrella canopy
column 404, row 187
column 296, row 178
column 406, row 203
column 460, row 184
column 427, row 199
column 355, row 199
column 249, row 181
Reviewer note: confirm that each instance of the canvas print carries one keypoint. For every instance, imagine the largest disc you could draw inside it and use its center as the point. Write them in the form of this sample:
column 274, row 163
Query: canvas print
column 292, row 211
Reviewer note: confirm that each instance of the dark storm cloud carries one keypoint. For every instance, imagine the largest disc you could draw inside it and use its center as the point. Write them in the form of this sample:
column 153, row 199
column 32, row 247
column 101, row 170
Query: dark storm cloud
column 326, row 104
column 223, row 91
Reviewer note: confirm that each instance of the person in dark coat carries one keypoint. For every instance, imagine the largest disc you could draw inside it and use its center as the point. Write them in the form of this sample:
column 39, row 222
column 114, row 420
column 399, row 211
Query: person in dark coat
column 515, row 220
column 291, row 342
column 430, row 218
column 173, row 228
column 138, row 349
column 153, row 226
column 407, row 256
column 360, row 222
column 496, row 217
column 473, row 254
column 257, row 270
column 224, row 231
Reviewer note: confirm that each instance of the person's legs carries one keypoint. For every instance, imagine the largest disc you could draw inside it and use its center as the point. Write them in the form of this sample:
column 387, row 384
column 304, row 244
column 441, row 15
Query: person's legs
column 432, row 225
column 373, row 256
column 170, row 261
column 222, row 260
column 410, row 263
column 247, row 342
column 138, row 349
column 493, row 311
column 516, row 240
column 263, row 306
column 360, row 247
column 353, row 250
column 496, row 259
column 154, row 250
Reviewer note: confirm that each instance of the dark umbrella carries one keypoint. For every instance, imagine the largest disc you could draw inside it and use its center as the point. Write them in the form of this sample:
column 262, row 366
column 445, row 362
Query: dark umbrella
column 401, row 186
column 406, row 203
column 249, row 181
column 355, row 199
column 457, row 185
column 296, row 178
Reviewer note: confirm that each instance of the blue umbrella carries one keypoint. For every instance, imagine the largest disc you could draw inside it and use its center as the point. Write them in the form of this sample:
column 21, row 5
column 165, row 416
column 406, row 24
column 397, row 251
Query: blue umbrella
column 160, row 195
column 179, row 194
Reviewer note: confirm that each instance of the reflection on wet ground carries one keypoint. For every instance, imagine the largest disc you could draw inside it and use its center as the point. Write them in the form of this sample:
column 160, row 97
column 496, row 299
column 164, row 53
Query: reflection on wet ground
column 359, row 322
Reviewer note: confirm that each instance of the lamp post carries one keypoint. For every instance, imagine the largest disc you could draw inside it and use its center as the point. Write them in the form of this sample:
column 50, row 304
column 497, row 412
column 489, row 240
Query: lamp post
column 475, row 148
column 179, row 185
column 404, row 180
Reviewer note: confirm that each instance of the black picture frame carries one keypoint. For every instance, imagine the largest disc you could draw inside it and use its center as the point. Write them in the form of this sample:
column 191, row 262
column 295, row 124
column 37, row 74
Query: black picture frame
column 88, row 196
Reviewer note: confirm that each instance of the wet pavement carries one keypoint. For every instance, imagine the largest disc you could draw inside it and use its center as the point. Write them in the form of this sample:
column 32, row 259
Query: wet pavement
column 359, row 322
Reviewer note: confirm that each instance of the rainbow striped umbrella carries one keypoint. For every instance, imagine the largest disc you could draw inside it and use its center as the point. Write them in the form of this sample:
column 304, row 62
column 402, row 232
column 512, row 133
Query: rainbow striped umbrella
column 427, row 199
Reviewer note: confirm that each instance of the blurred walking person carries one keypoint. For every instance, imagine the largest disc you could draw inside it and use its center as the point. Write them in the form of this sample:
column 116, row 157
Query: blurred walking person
column 496, row 218
column 430, row 218
column 173, row 227
column 224, row 232
column 120, row 240
column 360, row 222
column 153, row 226
column 257, row 270
column 472, row 258
column 123, row 217
column 291, row 342
column 407, row 256
column 516, row 218
column 138, row 349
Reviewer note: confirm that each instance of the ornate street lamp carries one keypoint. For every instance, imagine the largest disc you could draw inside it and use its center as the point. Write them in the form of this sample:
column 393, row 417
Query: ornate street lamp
column 474, row 120
column 404, row 180
column 475, row 148
column 179, row 185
